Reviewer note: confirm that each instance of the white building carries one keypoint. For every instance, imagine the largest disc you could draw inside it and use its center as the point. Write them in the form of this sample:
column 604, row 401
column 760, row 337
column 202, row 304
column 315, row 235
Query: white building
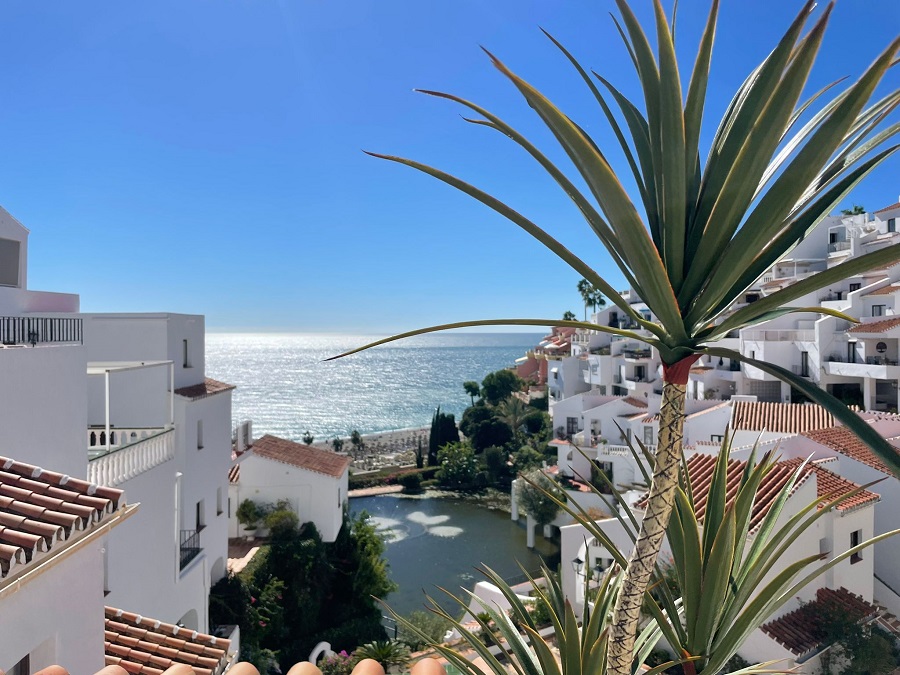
column 849, row 582
column 121, row 400
column 313, row 481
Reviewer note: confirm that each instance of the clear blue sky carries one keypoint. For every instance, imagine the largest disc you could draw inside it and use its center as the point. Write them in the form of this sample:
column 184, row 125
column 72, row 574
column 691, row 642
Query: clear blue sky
column 205, row 156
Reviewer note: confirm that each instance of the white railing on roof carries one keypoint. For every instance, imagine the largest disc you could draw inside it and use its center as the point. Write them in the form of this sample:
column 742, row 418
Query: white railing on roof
column 621, row 450
column 127, row 461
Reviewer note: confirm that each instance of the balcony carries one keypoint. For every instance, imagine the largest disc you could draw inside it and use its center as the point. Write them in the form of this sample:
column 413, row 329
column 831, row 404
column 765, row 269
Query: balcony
column 839, row 247
column 129, row 453
column 779, row 335
column 33, row 330
column 189, row 548
column 875, row 367
column 636, row 354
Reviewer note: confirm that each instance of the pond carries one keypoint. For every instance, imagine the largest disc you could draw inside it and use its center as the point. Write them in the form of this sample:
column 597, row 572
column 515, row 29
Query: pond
column 438, row 541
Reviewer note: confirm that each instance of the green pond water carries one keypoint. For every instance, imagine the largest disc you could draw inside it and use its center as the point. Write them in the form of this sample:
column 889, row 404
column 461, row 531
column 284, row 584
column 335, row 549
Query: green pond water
column 435, row 542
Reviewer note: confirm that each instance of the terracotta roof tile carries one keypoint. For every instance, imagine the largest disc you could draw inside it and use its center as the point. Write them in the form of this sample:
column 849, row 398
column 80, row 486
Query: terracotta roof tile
column 636, row 402
column 876, row 326
column 791, row 418
column 885, row 290
column 847, row 443
column 801, row 631
column 206, row 388
column 234, row 474
column 650, row 419
column 40, row 508
column 828, row 485
column 140, row 645
column 301, row 456
column 889, row 208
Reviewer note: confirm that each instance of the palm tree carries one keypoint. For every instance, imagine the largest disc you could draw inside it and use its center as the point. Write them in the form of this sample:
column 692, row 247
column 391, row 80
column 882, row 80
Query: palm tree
column 705, row 231
column 592, row 297
column 473, row 389
column 570, row 316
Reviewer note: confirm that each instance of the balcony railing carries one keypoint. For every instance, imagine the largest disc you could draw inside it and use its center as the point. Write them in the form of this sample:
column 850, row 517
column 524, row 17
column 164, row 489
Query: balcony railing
column 119, row 463
column 190, row 546
column 34, row 330
column 839, row 246
column 636, row 353
column 780, row 335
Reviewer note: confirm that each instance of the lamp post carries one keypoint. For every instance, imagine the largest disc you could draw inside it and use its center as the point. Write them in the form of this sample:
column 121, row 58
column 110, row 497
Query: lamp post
column 577, row 565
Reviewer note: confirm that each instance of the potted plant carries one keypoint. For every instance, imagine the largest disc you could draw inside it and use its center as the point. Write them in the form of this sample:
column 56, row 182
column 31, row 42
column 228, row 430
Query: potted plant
column 248, row 514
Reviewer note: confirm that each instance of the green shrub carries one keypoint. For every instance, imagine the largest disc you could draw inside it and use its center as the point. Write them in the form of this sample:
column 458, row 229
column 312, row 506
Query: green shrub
column 411, row 482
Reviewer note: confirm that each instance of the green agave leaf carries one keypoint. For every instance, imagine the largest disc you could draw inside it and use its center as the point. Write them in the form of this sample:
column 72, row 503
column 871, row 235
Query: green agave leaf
column 763, row 222
column 716, row 575
column 884, row 450
column 637, row 246
column 545, row 656
column 594, row 219
column 749, row 165
column 496, row 322
column 610, row 118
column 693, row 110
column 672, row 152
column 739, row 119
column 561, row 251
column 864, row 263
column 802, row 224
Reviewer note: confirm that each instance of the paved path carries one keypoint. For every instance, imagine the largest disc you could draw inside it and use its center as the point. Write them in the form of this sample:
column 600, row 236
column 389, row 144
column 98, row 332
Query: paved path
column 372, row 491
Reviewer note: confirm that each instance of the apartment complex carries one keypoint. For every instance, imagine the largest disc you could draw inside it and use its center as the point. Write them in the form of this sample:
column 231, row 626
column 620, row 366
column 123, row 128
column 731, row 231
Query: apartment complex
column 113, row 400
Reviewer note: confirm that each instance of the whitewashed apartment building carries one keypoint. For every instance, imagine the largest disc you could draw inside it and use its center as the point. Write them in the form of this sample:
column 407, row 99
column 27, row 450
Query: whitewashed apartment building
column 119, row 400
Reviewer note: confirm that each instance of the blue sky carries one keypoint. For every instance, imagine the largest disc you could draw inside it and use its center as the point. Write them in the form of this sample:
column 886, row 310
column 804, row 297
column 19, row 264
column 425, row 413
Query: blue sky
column 205, row 156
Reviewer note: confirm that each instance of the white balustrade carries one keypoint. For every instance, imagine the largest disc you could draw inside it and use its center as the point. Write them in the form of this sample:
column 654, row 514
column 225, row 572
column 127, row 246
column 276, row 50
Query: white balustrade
column 128, row 460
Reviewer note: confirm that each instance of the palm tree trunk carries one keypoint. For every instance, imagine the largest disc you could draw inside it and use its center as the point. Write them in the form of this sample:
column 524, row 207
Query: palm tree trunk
column 653, row 526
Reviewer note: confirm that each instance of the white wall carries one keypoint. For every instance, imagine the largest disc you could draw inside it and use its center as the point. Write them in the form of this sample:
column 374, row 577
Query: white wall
column 206, row 471
column 315, row 497
column 148, row 337
column 144, row 575
column 57, row 617
column 42, row 407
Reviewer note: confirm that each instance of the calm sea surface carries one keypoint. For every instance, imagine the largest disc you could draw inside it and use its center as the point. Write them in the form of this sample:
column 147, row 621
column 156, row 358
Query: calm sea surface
column 284, row 386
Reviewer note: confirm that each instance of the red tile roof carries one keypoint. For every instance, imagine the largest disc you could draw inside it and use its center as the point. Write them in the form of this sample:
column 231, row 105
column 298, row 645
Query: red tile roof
column 206, row 388
column 701, row 468
column 791, row 418
column 847, row 443
column 876, row 326
column 141, row 645
column 801, row 631
column 39, row 510
column 636, row 402
column 885, row 290
column 889, row 208
column 301, row 456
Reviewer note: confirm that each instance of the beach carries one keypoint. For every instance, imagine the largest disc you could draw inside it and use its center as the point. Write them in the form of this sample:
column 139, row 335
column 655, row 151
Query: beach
column 385, row 448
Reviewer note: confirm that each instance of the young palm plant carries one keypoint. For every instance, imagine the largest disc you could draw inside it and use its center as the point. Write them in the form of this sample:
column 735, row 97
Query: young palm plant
column 708, row 230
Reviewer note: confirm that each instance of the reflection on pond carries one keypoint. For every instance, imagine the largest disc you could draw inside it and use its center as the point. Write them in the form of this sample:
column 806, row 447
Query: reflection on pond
column 440, row 542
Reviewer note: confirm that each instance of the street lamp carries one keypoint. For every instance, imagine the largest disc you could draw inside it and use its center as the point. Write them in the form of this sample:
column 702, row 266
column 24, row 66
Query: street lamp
column 577, row 564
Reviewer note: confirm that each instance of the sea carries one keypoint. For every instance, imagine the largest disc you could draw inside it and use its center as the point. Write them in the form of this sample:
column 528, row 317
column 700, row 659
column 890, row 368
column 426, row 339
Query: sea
column 285, row 386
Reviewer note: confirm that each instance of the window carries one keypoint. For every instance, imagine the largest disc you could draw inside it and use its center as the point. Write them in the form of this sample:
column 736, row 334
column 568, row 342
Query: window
column 200, row 518
column 199, row 434
column 9, row 262
column 752, row 353
column 855, row 287
column 648, row 435
column 219, row 501
column 855, row 540
column 571, row 425
column 229, row 507
column 877, row 310
column 185, row 354
column 804, row 364
column 716, row 438
column 105, row 551
column 892, row 224
column 751, row 297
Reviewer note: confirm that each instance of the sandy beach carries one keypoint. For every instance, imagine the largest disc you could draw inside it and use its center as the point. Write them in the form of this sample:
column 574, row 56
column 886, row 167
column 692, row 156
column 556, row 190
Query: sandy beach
column 397, row 446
